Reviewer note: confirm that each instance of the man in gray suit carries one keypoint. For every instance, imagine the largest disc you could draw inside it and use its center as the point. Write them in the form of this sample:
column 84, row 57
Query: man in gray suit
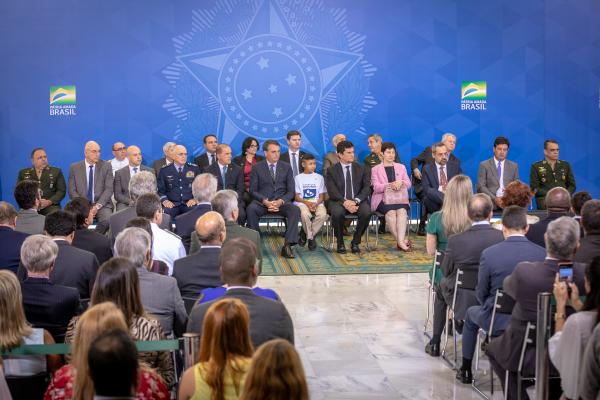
column 141, row 183
column 123, row 175
column 160, row 295
column 497, row 172
column 169, row 152
column 92, row 178
column 27, row 195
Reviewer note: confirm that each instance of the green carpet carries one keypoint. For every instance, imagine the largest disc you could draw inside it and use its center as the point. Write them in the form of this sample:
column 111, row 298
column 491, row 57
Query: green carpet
column 385, row 259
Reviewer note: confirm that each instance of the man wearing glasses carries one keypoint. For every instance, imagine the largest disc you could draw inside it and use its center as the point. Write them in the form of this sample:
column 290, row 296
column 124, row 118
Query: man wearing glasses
column 550, row 173
column 120, row 160
column 436, row 176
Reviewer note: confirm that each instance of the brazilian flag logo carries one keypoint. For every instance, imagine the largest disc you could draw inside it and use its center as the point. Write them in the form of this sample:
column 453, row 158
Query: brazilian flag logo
column 473, row 90
column 60, row 95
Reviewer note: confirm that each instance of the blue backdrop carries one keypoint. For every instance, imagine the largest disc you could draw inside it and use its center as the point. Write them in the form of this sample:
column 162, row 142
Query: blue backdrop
column 150, row 71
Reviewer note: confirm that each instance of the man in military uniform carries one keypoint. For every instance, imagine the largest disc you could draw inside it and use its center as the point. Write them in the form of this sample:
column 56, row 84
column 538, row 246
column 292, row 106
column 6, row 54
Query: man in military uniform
column 376, row 156
column 175, row 184
column 51, row 180
column 550, row 173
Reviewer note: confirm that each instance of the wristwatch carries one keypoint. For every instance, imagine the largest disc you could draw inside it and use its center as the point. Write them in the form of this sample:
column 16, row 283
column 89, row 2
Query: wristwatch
column 357, row 201
column 558, row 316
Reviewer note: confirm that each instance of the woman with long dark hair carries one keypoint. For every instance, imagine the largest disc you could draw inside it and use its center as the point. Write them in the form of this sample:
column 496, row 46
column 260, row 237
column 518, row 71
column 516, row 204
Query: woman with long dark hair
column 246, row 161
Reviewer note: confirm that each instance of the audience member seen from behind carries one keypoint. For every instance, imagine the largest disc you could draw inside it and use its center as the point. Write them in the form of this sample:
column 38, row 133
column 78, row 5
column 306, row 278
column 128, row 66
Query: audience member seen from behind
column 577, row 202
column 74, row 381
column 558, row 204
column 390, row 194
column 567, row 345
column 158, row 266
column 517, row 194
column 276, row 373
column 10, row 239
column 118, row 282
column 225, row 353
column 28, row 196
column 590, row 243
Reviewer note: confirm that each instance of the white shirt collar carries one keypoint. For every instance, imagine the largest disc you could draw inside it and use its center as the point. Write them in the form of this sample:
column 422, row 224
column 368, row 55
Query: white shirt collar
column 344, row 165
column 221, row 165
column 211, row 246
column 292, row 151
column 498, row 161
column 440, row 165
column 87, row 165
column 480, row 223
column 238, row 287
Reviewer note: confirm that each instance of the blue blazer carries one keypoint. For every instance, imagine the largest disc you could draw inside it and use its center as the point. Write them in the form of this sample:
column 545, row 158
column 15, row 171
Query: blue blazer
column 10, row 248
column 186, row 223
column 496, row 263
column 430, row 181
column 263, row 187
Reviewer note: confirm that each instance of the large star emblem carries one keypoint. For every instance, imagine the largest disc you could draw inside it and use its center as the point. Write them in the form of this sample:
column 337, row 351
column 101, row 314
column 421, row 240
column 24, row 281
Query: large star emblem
column 270, row 83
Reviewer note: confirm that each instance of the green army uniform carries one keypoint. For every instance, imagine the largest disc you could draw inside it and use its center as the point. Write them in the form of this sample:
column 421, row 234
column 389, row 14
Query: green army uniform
column 373, row 159
column 52, row 184
column 543, row 178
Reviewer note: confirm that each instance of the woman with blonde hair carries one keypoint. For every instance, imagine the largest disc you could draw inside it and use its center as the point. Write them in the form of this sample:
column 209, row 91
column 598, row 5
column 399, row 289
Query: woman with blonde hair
column 225, row 354
column 73, row 381
column 16, row 331
column 276, row 373
column 117, row 281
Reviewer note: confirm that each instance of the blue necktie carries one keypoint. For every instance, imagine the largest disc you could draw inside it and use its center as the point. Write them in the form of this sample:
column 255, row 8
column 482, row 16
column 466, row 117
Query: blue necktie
column 134, row 170
column 499, row 169
column 223, row 173
column 90, row 192
column 273, row 172
column 294, row 164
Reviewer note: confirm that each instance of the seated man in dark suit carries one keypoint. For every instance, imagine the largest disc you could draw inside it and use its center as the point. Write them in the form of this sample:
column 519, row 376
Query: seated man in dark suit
column 524, row 284
column 273, row 189
column 10, row 239
column 590, row 244
column 294, row 155
column 175, row 184
column 46, row 305
column 204, row 188
column 74, row 267
column 269, row 319
column 201, row 270
column 208, row 158
column 497, row 262
column 229, row 176
column 436, row 176
column 463, row 251
column 349, row 187
column 28, row 197
column 85, row 238
column 558, row 204
column 123, row 176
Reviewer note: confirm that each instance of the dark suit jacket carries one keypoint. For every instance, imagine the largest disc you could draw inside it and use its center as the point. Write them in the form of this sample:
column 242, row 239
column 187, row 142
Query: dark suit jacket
column 198, row 271
column 426, row 157
column 262, row 186
column 269, row 319
column 118, row 220
column 430, row 181
column 202, row 161
column 158, row 164
column 335, row 182
column 121, row 183
column 523, row 285
column 10, row 248
column 74, row 268
column 536, row 231
column 496, row 263
column 87, row 239
column 49, row 306
column 103, row 182
column 186, row 223
column 285, row 156
column 234, row 179
column 588, row 249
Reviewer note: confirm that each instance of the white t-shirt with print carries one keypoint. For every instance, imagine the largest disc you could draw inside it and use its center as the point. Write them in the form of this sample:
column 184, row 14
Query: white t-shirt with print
column 310, row 186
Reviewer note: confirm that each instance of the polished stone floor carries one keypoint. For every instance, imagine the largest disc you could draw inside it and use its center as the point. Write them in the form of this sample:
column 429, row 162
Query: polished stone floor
column 361, row 337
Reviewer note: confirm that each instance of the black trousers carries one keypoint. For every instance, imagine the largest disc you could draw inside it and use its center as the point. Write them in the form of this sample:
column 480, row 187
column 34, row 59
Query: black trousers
column 439, row 314
column 337, row 212
column 289, row 210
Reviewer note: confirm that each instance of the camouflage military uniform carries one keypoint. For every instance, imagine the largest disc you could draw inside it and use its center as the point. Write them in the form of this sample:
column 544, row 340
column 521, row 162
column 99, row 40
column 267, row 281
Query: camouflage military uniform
column 543, row 178
column 52, row 184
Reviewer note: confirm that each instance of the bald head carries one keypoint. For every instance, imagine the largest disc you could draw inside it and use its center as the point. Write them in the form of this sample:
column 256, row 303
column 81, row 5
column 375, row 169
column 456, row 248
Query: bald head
column 180, row 154
column 558, row 199
column 480, row 207
column 92, row 152
column 134, row 154
column 210, row 228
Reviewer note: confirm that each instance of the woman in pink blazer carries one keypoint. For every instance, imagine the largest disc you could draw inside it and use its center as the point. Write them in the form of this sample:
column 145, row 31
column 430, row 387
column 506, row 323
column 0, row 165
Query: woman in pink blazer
column 392, row 177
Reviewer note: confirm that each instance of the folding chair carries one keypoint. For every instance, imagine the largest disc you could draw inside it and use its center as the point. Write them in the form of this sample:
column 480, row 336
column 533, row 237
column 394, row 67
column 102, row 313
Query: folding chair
column 278, row 220
column 434, row 279
column 330, row 237
column 528, row 339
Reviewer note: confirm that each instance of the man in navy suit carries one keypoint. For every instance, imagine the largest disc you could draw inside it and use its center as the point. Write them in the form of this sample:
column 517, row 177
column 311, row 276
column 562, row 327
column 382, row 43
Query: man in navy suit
column 229, row 176
column 10, row 239
column 273, row 189
column 436, row 176
column 175, row 184
column 496, row 263
column 209, row 158
column 204, row 188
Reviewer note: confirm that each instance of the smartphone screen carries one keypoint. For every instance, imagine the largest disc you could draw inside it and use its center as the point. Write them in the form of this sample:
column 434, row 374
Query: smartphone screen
column 566, row 272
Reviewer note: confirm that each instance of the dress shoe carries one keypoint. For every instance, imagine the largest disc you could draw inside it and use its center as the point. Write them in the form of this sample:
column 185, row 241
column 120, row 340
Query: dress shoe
column 286, row 251
column 433, row 349
column 465, row 376
column 312, row 244
column 421, row 229
column 341, row 248
column 459, row 326
column 354, row 247
column 301, row 238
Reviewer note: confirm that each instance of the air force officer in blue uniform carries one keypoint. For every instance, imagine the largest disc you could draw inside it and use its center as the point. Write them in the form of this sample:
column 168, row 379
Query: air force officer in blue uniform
column 175, row 184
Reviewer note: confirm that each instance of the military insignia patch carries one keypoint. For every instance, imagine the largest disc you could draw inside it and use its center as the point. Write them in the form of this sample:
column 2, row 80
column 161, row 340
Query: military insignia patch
column 189, row 174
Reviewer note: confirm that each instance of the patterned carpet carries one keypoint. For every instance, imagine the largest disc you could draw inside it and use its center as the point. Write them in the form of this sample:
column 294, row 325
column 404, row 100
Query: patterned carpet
column 384, row 259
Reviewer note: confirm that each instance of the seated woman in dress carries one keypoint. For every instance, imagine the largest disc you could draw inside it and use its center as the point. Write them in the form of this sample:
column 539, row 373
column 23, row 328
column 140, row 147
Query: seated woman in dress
column 225, row 354
column 117, row 281
column 16, row 331
column 390, row 194
column 73, row 381
column 246, row 161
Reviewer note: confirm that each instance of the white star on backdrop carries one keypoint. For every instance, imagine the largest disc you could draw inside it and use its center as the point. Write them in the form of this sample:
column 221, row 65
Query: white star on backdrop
column 247, row 94
column 291, row 79
column 277, row 112
column 273, row 88
column 263, row 63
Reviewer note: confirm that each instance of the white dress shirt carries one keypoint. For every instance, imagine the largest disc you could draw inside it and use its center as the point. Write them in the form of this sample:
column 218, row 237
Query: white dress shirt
column 117, row 165
column 166, row 247
column 87, row 177
column 132, row 172
column 500, row 191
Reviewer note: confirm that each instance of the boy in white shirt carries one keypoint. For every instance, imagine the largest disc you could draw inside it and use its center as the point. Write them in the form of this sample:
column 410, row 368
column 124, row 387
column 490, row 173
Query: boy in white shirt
column 310, row 198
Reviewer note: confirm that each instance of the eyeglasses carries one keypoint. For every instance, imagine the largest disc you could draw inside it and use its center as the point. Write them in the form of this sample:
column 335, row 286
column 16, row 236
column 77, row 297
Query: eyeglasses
column 253, row 145
column 119, row 149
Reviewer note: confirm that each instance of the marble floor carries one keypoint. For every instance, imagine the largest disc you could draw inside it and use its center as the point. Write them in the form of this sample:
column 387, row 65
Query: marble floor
column 361, row 337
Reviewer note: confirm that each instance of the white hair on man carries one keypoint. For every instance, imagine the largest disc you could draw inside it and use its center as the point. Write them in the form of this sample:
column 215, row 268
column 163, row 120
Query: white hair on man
column 167, row 147
column 134, row 245
column 141, row 183
column 562, row 238
column 225, row 202
column 448, row 135
column 204, row 188
column 38, row 253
